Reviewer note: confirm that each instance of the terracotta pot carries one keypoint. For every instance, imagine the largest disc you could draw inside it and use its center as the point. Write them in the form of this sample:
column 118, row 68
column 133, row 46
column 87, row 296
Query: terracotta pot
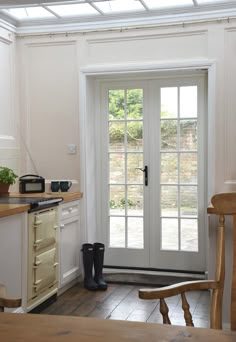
column 4, row 188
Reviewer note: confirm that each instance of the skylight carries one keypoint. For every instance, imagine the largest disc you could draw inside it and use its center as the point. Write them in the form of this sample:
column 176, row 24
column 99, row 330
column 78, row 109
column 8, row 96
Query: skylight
column 155, row 4
column 114, row 12
column 73, row 10
column 29, row 13
column 118, row 6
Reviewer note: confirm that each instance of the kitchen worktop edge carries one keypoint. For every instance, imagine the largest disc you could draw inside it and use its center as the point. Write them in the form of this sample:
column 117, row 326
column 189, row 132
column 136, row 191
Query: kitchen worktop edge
column 12, row 209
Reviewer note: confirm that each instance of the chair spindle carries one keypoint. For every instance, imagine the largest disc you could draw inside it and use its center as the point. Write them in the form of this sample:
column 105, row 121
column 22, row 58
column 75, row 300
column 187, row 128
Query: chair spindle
column 164, row 311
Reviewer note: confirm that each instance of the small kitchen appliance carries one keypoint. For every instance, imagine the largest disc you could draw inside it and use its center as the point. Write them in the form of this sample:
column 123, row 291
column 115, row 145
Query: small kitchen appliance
column 29, row 184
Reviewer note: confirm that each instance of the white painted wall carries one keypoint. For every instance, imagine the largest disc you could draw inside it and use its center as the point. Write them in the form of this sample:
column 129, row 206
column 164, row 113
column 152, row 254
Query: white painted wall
column 52, row 101
column 9, row 143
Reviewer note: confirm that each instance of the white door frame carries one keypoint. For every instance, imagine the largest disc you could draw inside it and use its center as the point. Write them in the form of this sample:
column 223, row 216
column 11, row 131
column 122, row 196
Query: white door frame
column 87, row 80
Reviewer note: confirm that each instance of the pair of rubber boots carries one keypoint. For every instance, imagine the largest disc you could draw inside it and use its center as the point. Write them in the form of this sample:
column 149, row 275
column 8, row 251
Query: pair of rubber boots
column 93, row 255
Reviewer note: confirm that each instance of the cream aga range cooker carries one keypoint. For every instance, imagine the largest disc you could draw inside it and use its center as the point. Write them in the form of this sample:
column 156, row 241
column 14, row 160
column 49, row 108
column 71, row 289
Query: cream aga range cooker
column 42, row 268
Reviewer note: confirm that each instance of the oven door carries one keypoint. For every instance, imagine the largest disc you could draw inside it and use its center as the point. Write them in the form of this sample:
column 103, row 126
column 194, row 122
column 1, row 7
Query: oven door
column 45, row 270
column 45, row 227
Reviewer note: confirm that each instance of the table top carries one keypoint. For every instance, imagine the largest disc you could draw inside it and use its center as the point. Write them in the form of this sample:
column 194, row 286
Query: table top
column 42, row 328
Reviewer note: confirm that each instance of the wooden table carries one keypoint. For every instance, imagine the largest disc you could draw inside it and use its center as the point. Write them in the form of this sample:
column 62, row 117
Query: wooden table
column 42, row 328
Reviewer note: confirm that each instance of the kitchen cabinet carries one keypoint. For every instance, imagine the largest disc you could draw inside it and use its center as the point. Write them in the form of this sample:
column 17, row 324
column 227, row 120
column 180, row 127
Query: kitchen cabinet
column 69, row 242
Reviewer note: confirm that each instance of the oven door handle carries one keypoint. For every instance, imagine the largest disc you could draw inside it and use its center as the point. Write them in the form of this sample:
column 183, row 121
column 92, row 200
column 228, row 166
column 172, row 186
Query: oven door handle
column 37, row 263
column 37, row 222
column 36, row 284
column 37, row 242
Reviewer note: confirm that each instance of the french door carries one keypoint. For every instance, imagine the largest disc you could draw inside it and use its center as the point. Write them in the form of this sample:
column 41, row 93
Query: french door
column 151, row 172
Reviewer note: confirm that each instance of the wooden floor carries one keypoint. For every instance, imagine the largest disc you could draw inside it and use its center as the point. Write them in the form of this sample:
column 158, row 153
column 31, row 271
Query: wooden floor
column 122, row 302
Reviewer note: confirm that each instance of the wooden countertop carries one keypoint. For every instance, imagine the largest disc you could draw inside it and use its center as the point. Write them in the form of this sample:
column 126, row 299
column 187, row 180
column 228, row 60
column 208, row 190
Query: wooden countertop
column 12, row 209
column 49, row 328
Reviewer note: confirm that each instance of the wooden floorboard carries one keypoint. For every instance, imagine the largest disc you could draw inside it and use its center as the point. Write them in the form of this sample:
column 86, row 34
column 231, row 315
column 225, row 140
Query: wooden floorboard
column 122, row 302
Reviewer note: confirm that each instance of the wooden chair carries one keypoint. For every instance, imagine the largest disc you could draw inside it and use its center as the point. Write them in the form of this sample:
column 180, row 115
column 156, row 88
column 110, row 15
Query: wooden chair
column 222, row 204
column 7, row 302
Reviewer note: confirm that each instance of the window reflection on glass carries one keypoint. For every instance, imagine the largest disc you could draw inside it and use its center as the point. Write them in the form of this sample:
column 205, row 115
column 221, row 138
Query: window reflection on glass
column 188, row 102
column 134, row 161
column 169, row 135
column 116, row 136
column 169, row 102
column 135, row 104
column 117, row 200
column 188, row 135
column 169, row 167
column 135, row 136
column 135, row 200
column 169, row 200
column 116, row 104
column 135, row 232
column 117, row 168
column 117, row 232
column 188, row 168
column 189, row 235
column 169, row 234
column 188, row 201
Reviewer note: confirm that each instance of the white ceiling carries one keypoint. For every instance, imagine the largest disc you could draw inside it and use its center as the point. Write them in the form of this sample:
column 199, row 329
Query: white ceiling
column 48, row 16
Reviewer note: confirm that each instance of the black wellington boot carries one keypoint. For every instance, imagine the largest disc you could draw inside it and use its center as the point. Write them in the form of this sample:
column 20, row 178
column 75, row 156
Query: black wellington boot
column 88, row 251
column 99, row 250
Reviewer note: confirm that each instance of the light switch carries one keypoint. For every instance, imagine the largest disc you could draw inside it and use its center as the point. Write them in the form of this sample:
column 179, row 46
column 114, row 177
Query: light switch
column 71, row 149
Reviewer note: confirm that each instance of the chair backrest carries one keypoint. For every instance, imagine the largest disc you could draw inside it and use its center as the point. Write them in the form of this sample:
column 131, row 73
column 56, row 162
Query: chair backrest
column 7, row 302
column 224, row 204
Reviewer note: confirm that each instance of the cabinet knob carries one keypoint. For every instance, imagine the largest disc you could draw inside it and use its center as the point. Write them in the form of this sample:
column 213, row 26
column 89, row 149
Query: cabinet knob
column 62, row 226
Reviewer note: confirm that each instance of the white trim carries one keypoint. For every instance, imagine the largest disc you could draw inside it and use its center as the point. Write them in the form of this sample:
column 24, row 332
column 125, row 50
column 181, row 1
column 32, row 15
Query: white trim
column 91, row 73
column 112, row 69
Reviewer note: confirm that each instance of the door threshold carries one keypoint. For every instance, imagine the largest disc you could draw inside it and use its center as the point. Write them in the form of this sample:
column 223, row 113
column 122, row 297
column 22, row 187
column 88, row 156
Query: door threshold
column 148, row 277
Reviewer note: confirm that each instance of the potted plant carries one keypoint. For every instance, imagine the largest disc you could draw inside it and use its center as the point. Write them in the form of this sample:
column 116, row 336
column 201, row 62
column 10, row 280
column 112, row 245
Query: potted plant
column 7, row 177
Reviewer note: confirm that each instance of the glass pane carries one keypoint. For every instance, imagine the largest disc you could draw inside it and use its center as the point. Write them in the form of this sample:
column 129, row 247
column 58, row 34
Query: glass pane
column 189, row 235
column 134, row 103
column 188, row 134
column 29, row 13
column 188, row 102
column 154, row 4
column 169, row 236
column 169, row 102
column 117, row 168
column 117, row 6
column 116, row 104
column 188, row 168
column 169, row 168
column 188, row 201
column 74, row 9
column 135, row 232
column 117, row 200
column 200, row 2
column 116, row 136
column 117, row 232
column 135, row 136
column 169, row 201
column 135, row 200
column 134, row 160
column 168, row 134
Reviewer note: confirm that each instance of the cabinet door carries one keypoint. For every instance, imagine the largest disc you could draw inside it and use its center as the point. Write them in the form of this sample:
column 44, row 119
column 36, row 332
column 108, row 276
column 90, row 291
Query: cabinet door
column 69, row 246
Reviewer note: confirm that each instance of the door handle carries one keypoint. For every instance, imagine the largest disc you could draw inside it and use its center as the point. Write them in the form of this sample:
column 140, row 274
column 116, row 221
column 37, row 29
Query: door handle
column 145, row 170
